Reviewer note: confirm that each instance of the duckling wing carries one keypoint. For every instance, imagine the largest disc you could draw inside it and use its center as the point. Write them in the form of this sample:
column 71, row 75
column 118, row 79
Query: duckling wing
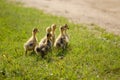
column 30, row 45
column 59, row 42
column 62, row 40
column 43, row 40
column 49, row 43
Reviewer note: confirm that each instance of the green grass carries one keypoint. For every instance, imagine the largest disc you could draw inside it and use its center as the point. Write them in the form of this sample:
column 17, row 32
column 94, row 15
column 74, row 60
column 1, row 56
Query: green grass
column 91, row 55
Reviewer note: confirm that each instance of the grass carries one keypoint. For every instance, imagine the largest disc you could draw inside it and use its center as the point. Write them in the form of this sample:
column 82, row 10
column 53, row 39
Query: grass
column 92, row 54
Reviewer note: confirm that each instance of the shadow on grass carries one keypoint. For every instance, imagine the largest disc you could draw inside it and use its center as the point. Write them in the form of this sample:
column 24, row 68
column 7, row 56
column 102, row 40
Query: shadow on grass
column 114, row 71
column 62, row 52
column 33, row 53
column 48, row 57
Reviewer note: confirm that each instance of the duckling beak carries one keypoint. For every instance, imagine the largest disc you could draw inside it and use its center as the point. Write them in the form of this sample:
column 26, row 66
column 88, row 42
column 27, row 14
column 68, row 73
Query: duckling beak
column 66, row 28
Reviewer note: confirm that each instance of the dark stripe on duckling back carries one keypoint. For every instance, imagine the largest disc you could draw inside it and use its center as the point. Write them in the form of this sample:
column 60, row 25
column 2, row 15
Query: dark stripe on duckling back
column 61, row 41
column 49, row 43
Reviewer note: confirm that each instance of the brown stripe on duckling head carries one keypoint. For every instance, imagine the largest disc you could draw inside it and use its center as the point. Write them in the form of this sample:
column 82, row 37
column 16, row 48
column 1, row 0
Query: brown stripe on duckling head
column 35, row 30
column 66, row 26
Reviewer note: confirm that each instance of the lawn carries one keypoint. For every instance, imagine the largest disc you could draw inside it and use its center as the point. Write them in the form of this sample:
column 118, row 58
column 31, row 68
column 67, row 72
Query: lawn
column 92, row 54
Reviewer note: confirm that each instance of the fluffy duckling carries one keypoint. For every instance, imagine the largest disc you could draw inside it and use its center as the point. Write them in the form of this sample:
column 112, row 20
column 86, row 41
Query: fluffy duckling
column 32, row 42
column 45, row 47
column 53, row 27
column 65, row 32
column 61, row 40
column 48, row 30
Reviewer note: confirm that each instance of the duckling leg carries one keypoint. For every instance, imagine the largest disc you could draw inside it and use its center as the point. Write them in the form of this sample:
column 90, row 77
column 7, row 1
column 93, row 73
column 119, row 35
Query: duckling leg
column 42, row 55
column 33, row 50
column 25, row 52
column 64, row 47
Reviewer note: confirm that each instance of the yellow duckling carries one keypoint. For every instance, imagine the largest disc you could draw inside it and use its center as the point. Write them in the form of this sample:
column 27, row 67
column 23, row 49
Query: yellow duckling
column 44, row 48
column 53, row 27
column 65, row 32
column 61, row 40
column 32, row 42
column 48, row 30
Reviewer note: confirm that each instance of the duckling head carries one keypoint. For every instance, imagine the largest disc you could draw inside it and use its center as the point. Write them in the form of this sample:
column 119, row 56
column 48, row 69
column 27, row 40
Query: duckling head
column 66, row 26
column 53, row 26
column 35, row 30
column 62, row 28
column 48, row 29
column 49, row 35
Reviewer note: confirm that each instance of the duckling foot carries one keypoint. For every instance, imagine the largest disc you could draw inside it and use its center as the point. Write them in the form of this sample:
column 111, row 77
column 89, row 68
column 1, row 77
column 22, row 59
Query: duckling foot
column 42, row 55
column 25, row 53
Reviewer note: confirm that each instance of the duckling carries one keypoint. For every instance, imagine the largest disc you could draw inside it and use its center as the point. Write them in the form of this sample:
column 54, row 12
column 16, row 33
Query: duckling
column 32, row 42
column 48, row 30
column 53, row 27
column 44, row 48
column 65, row 33
column 61, row 40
